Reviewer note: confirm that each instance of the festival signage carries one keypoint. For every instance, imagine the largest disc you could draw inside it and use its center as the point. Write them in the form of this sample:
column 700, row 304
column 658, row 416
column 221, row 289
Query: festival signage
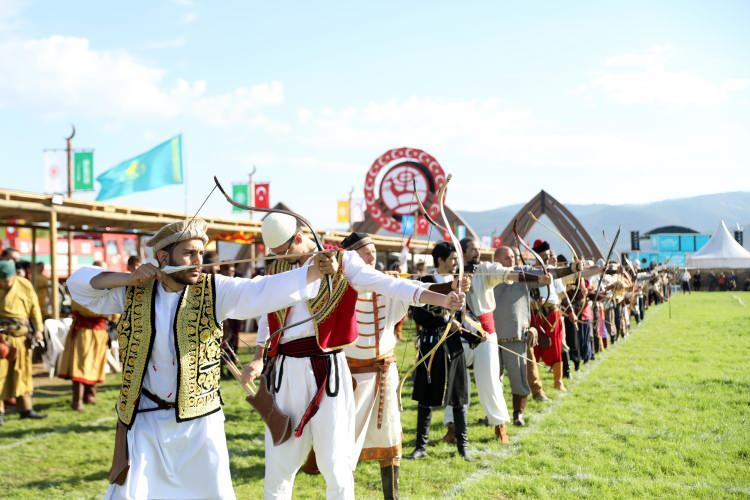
column 389, row 188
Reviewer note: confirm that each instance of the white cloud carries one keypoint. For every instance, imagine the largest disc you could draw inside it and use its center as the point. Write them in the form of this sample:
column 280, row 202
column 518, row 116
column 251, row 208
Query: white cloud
column 645, row 78
column 64, row 74
column 412, row 121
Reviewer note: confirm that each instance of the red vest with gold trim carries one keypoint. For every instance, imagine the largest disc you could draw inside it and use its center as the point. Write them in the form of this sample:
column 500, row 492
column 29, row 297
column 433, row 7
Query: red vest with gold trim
column 336, row 323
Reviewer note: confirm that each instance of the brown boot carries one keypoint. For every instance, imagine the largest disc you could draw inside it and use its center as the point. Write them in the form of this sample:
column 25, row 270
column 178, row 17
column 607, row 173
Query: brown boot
column 89, row 394
column 77, row 403
column 450, row 434
column 501, row 435
column 519, row 406
column 557, row 373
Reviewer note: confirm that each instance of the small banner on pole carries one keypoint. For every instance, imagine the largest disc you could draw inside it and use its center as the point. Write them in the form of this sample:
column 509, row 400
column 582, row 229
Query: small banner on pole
column 240, row 194
column 262, row 194
column 423, row 227
column 55, row 168
column 342, row 211
column 460, row 231
column 408, row 222
column 497, row 242
column 83, row 172
column 357, row 210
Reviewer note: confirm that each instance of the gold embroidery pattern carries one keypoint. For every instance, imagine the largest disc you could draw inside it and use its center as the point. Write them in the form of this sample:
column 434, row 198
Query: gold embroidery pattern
column 135, row 335
column 199, row 345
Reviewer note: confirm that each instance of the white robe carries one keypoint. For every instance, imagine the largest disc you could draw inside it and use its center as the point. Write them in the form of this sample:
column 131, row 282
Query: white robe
column 377, row 339
column 331, row 432
column 186, row 459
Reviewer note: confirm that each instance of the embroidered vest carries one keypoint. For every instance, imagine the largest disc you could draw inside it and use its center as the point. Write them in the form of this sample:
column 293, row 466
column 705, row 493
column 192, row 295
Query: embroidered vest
column 336, row 325
column 198, row 342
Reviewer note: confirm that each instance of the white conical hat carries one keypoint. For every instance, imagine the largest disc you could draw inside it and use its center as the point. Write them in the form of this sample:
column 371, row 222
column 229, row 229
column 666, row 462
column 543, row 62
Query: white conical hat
column 277, row 229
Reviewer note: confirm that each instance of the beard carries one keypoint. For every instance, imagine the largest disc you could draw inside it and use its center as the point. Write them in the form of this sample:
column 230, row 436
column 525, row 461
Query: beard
column 187, row 277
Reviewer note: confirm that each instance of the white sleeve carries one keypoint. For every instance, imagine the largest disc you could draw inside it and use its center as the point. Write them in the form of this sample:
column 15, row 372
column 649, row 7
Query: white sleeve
column 366, row 278
column 493, row 273
column 263, row 332
column 108, row 301
column 559, row 286
column 398, row 308
column 243, row 298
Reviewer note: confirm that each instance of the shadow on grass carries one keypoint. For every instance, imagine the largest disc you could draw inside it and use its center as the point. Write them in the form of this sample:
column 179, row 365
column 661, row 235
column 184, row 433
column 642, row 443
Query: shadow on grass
column 70, row 428
column 244, row 475
column 43, row 484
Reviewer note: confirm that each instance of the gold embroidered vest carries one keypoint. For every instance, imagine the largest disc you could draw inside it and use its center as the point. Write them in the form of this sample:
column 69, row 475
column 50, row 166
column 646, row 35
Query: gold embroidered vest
column 198, row 341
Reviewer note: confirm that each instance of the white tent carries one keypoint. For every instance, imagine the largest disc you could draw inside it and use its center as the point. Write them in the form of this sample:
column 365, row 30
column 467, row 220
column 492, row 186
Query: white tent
column 721, row 252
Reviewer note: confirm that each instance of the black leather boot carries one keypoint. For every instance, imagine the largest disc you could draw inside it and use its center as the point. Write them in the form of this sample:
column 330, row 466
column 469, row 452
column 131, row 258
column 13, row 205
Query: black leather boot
column 389, row 478
column 519, row 406
column 424, row 416
column 462, row 434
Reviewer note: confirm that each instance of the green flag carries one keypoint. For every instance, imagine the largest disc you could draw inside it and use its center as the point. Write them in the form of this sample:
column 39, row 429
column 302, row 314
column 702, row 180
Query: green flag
column 240, row 194
column 158, row 167
column 83, row 173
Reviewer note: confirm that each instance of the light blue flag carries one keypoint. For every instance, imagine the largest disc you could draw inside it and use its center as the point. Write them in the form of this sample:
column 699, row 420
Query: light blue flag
column 157, row 167
column 407, row 222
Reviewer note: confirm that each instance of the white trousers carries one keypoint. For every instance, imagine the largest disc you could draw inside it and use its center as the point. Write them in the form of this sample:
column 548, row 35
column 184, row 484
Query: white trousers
column 486, row 364
column 330, row 432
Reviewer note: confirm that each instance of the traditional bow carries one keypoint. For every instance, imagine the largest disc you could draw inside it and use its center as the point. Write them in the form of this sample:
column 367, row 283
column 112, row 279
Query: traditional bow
column 459, row 255
column 573, row 253
column 537, row 257
column 318, row 244
column 606, row 261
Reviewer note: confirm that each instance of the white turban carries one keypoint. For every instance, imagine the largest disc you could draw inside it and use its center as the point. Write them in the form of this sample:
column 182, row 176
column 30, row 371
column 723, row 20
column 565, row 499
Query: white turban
column 277, row 229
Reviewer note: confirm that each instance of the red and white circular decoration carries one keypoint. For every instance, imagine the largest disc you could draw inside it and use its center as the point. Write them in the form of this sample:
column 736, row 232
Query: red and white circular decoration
column 404, row 167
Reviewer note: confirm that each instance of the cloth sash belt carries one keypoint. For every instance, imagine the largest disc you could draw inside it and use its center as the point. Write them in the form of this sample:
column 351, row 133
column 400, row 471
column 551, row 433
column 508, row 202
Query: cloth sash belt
column 322, row 363
column 14, row 327
column 380, row 367
column 487, row 321
column 88, row 322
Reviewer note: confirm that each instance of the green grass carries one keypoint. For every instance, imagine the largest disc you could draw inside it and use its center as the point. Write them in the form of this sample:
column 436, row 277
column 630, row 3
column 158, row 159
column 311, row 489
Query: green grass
column 663, row 414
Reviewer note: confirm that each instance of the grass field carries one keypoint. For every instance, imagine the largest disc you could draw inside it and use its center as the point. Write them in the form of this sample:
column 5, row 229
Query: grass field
column 666, row 413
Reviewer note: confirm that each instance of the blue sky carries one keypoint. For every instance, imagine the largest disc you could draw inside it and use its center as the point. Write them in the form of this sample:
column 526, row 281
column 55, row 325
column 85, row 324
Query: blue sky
column 613, row 102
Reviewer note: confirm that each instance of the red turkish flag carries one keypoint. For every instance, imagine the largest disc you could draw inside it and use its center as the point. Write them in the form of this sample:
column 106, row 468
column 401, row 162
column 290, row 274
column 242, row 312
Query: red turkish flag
column 423, row 227
column 262, row 195
column 497, row 242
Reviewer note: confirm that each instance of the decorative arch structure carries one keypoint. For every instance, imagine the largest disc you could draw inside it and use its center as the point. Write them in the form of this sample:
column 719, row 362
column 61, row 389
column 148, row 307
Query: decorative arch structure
column 570, row 227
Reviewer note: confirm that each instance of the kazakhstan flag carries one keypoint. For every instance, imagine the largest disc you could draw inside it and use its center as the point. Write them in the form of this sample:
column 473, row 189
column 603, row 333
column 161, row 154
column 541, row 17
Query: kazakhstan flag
column 158, row 167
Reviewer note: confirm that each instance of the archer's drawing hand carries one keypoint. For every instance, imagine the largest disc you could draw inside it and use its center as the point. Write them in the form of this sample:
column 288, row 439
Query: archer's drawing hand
column 144, row 274
column 465, row 284
column 326, row 263
column 455, row 300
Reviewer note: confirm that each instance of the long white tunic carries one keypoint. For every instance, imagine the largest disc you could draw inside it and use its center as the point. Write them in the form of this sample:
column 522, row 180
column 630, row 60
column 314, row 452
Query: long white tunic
column 187, row 459
column 331, row 432
column 377, row 317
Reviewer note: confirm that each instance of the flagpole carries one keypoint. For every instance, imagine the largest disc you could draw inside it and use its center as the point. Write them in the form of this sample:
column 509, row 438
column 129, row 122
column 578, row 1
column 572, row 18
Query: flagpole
column 53, row 245
column 251, row 198
column 351, row 192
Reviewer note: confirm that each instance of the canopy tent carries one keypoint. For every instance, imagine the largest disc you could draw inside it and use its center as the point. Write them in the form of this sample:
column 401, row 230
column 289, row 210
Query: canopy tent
column 721, row 252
